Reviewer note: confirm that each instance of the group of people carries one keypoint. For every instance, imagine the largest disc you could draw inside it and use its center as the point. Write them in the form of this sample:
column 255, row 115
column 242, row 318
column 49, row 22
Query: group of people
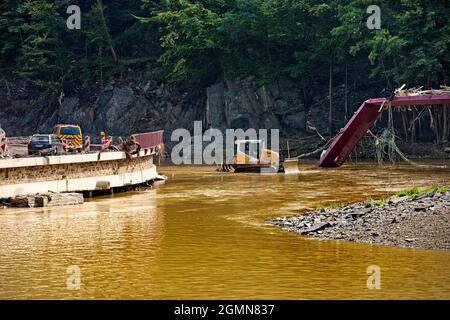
column 130, row 145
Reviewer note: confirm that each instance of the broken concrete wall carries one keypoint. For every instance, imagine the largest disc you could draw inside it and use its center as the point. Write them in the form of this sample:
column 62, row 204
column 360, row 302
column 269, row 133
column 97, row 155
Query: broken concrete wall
column 72, row 170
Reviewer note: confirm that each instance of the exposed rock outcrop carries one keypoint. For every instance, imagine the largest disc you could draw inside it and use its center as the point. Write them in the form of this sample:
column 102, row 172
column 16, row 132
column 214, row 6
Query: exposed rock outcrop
column 142, row 102
column 243, row 105
column 122, row 107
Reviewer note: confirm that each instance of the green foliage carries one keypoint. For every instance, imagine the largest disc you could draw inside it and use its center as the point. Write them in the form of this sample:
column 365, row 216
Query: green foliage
column 204, row 41
column 300, row 39
column 412, row 46
column 440, row 189
column 411, row 192
column 11, row 36
column 333, row 205
column 36, row 45
column 376, row 203
column 42, row 56
column 189, row 41
column 415, row 191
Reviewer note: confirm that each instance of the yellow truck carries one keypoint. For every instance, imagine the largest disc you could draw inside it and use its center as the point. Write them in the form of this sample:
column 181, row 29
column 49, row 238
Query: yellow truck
column 71, row 134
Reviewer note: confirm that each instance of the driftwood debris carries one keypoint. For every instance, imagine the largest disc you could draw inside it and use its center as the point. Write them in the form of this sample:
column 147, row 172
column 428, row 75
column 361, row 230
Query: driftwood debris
column 401, row 92
column 313, row 129
column 317, row 151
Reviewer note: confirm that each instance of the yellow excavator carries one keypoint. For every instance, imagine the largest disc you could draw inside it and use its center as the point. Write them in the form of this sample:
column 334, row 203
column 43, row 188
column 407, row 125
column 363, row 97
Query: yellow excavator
column 253, row 156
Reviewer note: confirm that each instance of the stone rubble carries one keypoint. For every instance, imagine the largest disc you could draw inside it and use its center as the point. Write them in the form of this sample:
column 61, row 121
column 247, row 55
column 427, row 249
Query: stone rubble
column 50, row 199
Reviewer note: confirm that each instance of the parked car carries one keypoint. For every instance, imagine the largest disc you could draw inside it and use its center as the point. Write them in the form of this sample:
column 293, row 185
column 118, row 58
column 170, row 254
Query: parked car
column 45, row 144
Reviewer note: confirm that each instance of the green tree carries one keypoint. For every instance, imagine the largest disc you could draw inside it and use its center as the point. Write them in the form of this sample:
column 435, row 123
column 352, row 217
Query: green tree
column 12, row 18
column 189, row 41
column 43, row 56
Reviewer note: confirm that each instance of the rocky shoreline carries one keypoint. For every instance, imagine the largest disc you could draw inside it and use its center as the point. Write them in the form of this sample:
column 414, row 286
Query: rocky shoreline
column 415, row 221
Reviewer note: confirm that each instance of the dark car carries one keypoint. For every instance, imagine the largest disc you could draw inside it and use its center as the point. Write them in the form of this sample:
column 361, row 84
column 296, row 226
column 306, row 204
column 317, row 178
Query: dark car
column 44, row 144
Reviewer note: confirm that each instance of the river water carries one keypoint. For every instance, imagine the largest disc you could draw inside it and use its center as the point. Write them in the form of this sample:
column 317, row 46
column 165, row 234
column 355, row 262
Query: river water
column 202, row 235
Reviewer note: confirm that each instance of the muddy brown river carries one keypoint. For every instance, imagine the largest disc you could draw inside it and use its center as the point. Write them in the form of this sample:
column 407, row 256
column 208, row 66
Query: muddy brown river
column 202, row 235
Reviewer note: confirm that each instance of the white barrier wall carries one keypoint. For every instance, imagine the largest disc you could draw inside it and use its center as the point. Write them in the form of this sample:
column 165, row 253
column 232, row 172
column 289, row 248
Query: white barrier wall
column 71, row 173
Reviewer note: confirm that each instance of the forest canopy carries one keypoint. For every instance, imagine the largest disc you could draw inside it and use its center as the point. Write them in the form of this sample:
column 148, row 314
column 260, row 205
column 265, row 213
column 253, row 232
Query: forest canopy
column 202, row 42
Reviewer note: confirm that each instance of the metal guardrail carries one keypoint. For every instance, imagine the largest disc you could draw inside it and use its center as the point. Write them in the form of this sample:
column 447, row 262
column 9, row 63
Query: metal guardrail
column 149, row 139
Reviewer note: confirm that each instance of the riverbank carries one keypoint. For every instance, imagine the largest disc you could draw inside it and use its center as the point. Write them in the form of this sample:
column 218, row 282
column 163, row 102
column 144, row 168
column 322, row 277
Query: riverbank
column 412, row 218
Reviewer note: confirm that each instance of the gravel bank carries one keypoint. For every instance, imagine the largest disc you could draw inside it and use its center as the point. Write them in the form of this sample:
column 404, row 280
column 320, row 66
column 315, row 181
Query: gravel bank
column 420, row 222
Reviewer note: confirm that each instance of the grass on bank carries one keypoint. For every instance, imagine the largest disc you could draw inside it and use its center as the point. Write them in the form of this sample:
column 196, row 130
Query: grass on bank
column 333, row 205
column 376, row 203
column 412, row 193
column 415, row 191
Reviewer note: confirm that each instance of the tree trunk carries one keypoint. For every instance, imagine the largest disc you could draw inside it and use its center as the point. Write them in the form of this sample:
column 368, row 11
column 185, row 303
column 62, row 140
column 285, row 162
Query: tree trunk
column 392, row 130
column 433, row 125
column 330, row 92
column 413, row 129
column 101, row 66
column 108, row 36
column 445, row 127
column 405, row 126
column 346, row 92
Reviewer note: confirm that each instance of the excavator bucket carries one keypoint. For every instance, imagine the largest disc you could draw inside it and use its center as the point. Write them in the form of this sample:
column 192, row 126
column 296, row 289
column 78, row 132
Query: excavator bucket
column 290, row 166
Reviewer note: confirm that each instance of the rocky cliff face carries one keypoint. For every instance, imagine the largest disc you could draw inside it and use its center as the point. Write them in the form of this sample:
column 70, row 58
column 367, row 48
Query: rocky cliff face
column 283, row 105
column 120, row 108
column 143, row 103
column 244, row 105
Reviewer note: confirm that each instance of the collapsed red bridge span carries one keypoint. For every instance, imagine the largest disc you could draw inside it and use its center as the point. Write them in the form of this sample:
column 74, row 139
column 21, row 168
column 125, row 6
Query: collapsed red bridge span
column 364, row 118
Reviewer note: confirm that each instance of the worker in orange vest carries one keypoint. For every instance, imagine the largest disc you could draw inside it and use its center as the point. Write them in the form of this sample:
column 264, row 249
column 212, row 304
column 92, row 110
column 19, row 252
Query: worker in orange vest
column 102, row 137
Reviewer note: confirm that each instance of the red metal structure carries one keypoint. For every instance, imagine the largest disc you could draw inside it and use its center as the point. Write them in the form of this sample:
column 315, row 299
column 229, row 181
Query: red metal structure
column 3, row 145
column 364, row 118
column 149, row 139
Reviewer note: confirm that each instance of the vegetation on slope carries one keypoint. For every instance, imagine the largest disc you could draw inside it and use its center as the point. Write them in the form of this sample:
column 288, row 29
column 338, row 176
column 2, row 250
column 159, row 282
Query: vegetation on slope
column 204, row 41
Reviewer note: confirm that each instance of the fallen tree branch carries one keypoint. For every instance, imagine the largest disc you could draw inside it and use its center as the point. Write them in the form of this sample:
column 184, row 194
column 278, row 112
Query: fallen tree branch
column 313, row 129
column 309, row 154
